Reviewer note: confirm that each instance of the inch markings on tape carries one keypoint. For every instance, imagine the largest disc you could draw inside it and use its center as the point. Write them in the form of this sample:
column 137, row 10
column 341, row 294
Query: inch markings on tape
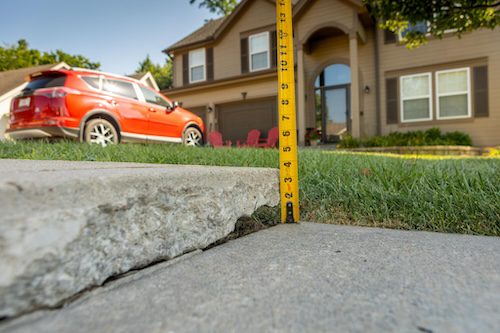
column 289, row 174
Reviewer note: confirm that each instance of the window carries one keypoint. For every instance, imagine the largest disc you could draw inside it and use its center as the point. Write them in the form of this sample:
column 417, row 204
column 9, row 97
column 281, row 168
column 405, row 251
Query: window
column 93, row 81
column 197, row 70
column 453, row 93
column 121, row 88
column 422, row 27
column 259, row 51
column 416, row 102
column 48, row 81
column 154, row 98
column 333, row 75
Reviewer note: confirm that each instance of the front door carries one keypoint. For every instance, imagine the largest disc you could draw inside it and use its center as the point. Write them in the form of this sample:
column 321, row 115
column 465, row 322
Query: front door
column 335, row 113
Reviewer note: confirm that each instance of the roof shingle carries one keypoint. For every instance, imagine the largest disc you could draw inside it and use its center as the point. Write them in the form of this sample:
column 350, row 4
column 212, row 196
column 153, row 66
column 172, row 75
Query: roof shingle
column 206, row 32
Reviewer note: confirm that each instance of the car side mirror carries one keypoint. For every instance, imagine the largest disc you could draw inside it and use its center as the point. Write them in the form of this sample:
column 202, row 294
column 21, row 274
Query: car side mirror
column 172, row 107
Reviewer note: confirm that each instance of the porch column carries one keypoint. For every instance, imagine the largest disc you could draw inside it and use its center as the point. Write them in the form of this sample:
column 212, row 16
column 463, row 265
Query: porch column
column 301, row 100
column 353, row 54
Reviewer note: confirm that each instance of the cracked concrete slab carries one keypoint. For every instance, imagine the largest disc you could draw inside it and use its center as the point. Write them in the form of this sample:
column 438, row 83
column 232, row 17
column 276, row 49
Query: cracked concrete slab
column 69, row 226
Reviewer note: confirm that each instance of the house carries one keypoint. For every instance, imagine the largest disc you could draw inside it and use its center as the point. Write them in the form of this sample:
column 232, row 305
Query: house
column 12, row 83
column 146, row 79
column 352, row 77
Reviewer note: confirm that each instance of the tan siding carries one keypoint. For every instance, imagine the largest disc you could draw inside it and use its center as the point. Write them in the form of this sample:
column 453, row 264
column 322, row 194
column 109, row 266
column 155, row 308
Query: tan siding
column 368, row 101
column 479, row 44
column 322, row 11
column 177, row 82
column 228, row 93
column 227, row 51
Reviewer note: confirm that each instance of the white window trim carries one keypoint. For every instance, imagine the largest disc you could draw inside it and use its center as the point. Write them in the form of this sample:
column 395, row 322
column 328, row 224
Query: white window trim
column 468, row 91
column 402, row 100
column 266, row 33
column 204, row 65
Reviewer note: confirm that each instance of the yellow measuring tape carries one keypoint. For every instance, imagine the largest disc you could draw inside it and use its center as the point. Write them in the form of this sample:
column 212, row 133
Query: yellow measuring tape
column 289, row 174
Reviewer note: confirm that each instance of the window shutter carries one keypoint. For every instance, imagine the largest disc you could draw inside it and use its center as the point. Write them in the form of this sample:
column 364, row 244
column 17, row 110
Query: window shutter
column 391, row 96
column 389, row 37
column 480, row 79
column 273, row 48
column 210, row 63
column 244, row 55
column 185, row 69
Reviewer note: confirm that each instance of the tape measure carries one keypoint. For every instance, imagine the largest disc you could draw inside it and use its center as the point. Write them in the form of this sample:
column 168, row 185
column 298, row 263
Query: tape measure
column 289, row 174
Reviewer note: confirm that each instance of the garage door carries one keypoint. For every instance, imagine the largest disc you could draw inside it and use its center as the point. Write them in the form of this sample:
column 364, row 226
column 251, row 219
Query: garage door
column 237, row 119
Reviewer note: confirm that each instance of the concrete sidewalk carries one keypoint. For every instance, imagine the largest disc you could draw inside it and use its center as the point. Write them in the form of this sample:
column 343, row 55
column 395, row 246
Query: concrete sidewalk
column 301, row 278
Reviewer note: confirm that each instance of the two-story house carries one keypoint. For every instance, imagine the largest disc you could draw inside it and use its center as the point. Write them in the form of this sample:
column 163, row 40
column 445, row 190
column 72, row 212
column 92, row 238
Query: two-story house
column 351, row 76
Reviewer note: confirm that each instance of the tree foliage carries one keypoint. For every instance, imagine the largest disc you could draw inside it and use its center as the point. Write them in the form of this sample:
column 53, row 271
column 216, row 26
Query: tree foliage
column 221, row 7
column 442, row 16
column 20, row 55
column 161, row 73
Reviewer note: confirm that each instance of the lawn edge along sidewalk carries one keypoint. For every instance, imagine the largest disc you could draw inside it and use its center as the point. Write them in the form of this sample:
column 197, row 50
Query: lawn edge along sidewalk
column 68, row 226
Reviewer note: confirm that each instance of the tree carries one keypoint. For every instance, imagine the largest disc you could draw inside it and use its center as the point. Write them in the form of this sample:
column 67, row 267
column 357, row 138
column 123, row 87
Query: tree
column 222, row 7
column 21, row 55
column 161, row 73
column 441, row 16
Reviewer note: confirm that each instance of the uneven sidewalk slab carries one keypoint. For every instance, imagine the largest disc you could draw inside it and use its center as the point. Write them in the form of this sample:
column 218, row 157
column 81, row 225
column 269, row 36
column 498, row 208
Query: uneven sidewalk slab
column 303, row 278
column 68, row 226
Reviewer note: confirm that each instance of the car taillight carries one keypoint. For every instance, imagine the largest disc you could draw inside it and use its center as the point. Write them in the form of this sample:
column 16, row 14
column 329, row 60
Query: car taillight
column 59, row 92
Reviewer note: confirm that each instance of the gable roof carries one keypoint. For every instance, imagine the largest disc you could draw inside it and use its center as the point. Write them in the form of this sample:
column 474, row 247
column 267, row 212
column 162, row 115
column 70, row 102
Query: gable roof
column 12, row 79
column 205, row 33
column 214, row 28
column 211, row 30
column 137, row 76
column 300, row 5
column 144, row 78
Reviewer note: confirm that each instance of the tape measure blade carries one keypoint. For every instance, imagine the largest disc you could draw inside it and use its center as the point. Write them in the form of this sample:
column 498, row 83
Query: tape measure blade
column 289, row 189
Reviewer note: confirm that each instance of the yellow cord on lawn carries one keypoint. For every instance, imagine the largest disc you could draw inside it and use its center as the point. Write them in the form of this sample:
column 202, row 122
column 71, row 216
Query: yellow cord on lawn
column 289, row 174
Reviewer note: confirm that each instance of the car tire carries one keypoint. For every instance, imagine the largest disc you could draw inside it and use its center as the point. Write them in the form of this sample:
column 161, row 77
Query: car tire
column 192, row 137
column 100, row 131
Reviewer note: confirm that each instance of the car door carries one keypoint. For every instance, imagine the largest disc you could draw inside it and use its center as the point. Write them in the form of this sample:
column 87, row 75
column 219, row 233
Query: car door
column 164, row 124
column 123, row 99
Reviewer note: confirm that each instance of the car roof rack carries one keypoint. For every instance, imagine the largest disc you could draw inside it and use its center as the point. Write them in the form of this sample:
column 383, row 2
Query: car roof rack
column 79, row 69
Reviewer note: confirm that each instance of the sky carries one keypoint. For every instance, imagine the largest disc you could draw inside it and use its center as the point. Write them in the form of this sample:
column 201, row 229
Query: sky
column 117, row 33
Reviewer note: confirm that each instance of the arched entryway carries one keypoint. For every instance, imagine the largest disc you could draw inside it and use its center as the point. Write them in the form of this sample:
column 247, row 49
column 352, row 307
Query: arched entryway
column 332, row 94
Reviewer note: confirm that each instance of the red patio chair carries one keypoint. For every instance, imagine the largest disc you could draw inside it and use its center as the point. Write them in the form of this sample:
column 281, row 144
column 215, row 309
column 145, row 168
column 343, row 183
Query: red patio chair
column 252, row 139
column 272, row 138
column 215, row 139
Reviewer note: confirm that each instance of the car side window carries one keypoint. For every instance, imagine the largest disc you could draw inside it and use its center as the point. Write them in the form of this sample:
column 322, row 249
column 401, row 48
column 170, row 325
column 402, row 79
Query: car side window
column 121, row 88
column 152, row 97
column 92, row 81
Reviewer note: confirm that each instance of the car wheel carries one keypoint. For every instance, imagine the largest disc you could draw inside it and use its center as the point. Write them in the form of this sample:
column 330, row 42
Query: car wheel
column 101, row 132
column 192, row 137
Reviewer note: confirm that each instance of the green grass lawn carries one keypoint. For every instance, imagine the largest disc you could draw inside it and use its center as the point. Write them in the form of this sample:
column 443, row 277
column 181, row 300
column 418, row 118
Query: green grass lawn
column 446, row 195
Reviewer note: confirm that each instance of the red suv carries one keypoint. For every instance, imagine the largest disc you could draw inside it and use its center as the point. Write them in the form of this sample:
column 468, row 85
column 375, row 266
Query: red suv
column 99, row 108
